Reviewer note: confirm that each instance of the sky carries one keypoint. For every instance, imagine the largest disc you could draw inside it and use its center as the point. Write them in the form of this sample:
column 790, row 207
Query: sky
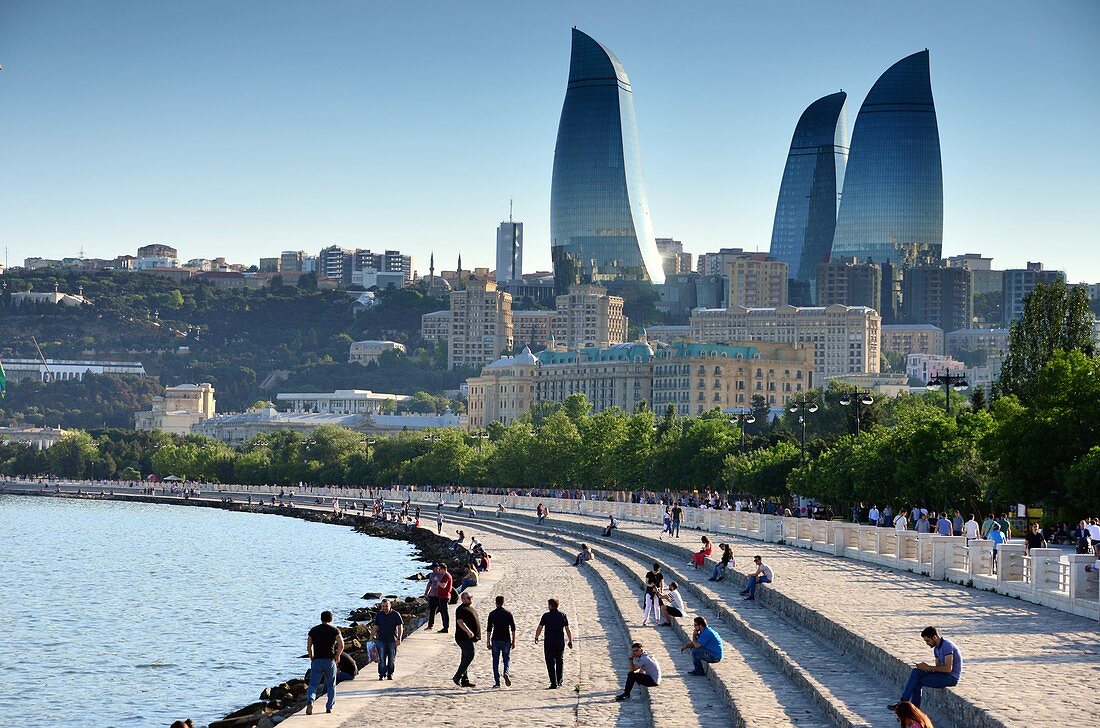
column 246, row 128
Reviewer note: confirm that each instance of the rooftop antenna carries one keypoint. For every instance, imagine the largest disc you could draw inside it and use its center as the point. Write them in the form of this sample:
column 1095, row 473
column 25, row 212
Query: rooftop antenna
column 509, row 209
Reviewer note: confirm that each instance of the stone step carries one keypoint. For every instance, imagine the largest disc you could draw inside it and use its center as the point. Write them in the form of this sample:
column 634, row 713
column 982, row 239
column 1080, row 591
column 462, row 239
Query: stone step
column 842, row 688
column 756, row 691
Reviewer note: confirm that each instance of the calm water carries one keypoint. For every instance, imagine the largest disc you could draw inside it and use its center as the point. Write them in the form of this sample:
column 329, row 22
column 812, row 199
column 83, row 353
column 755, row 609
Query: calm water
column 134, row 614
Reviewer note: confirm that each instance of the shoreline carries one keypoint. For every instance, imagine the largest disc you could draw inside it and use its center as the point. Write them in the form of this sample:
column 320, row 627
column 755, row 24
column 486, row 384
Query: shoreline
column 278, row 702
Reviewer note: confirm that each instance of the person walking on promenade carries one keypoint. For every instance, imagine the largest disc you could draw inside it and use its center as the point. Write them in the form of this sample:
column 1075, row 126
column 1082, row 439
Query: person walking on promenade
column 438, row 592
column 910, row 716
column 944, row 674
column 654, row 588
column 500, row 634
column 540, row 512
column 1033, row 539
column 467, row 632
column 556, row 624
column 705, row 646
column 666, row 523
column 900, row 523
column 998, row 538
column 987, row 525
column 585, row 555
column 386, row 632
column 324, row 645
column 719, row 573
column 923, row 526
column 675, row 604
column 1006, row 527
column 874, row 515
column 957, row 523
column 644, row 670
column 762, row 575
column 944, row 526
column 439, row 522
column 677, row 516
column 971, row 529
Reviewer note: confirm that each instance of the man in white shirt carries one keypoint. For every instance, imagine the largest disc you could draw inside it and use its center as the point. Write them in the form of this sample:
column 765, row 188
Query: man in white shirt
column 763, row 575
column 1094, row 529
column 644, row 670
column 900, row 523
column 873, row 516
column 971, row 529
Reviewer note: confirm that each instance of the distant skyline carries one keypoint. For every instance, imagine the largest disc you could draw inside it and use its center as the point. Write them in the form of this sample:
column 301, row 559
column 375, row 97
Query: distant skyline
column 249, row 128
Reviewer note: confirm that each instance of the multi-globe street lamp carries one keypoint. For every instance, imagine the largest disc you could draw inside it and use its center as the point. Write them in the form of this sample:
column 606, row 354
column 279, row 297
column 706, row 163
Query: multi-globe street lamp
column 742, row 419
column 481, row 436
column 860, row 400
column 797, row 406
column 950, row 382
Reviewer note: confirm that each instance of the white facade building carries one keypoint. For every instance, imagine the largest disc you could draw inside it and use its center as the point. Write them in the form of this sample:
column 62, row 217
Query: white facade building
column 340, row 402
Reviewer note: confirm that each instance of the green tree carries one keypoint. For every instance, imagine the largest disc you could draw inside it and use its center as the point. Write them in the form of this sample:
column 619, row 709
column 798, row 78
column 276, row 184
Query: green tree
column 763, row 472
column 74, row 456
column 1055, row 318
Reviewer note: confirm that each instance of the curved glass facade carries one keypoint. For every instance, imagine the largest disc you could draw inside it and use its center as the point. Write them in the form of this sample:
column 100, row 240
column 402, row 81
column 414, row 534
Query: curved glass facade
column 805, row 215
column 600, row 229
column 891, row 209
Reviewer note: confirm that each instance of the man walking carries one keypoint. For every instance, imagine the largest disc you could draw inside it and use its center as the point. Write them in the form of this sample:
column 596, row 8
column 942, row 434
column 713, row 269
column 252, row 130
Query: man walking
column 944, row 674
column 438, row 591
column 386, row 632
column 971, row 529
column 705, row 646
column 467, row 632
column 677, row 516
column 644, row 670
column 763, row 575
column 944, row 527
column 874, row 515
column 557, row 629
column 500, row 633
column 324, row 645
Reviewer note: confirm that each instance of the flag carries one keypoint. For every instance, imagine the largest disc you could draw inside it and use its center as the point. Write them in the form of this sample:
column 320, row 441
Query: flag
column 3, row 381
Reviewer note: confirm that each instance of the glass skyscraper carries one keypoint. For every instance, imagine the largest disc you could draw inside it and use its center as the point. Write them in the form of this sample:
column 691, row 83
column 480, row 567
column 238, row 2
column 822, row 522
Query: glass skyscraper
column 891, row 209
column 600, row 229
column 805, row 215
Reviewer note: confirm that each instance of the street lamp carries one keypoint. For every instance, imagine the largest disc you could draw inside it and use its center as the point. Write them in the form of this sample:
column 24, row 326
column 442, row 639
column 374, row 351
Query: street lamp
column 742, row 419
column 804, row 404
column 860, row 399
column 949, row 381
column 481, row 436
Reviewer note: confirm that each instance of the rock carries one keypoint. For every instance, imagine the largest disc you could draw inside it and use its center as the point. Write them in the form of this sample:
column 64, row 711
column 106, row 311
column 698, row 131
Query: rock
column 266, row 722
column 266, row 694
column 373, row 595
column 254, row 708
column 246, row 721
column 391, row 597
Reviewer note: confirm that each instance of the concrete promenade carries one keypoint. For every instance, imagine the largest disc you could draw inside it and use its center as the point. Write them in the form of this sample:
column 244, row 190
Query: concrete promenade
column 827, row 644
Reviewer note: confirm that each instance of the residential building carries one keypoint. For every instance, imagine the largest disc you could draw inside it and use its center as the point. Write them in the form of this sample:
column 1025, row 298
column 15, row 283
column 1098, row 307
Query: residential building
column 504, row 392
column 481, row 324
column 922, row 367
column 891, row 209
column 335, row 263
column 588, row 316
column 156, row 250
column 509, row 252
column 937, row 295
column 435, row 326
column 368, row 351
column 912, row 339
column 270, row 265
column 532, row 328
column 290, row 261
column 39, row 438
column 179, row 409
column 883, row 383
column 849, row 283
column 805, row 214
column 983, row 279
column 845, row 338
column 673, row 258
column 539, row 287
column 1017, row 283
column 667, row 334
column 696, row 377
column 715, row 264
column 756, row 281
column 600, row 228
column 342, row 402
column 615, row 376
column 963, row 343
column 153, row 262
column 67, row 370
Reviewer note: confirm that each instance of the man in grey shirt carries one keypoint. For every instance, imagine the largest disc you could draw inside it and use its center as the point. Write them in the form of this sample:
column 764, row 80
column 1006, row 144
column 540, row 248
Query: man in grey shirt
column 644, row 670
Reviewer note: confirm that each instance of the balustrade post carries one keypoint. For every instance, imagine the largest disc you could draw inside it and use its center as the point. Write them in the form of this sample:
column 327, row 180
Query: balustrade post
column 1041, row 560
column 1079, row 582
column 943, row 550
column 1010, row 561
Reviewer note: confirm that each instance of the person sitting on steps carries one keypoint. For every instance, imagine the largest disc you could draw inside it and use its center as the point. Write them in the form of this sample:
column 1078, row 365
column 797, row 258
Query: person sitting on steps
column 763, row 575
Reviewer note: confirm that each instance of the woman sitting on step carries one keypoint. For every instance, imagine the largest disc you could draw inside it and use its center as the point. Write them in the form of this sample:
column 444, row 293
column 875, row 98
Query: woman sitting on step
column 700, row 556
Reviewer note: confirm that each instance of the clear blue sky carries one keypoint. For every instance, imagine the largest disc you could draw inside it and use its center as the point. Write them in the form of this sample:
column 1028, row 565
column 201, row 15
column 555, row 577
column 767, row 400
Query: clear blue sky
column 247, row 128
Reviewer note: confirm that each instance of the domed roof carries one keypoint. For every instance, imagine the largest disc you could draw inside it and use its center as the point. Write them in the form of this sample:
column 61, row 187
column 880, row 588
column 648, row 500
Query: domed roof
column 526, row 357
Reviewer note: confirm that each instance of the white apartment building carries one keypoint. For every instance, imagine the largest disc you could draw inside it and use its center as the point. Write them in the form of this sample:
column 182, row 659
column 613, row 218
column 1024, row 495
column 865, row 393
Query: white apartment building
column 481, row 324
column 367, row 352
column 845, row 338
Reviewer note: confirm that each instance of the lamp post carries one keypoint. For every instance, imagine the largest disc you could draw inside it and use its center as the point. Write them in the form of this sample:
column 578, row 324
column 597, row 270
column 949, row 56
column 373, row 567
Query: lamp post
column 950, row 382
column 860, row 400
column 481, row 436
column 742, row 419
column 796, row 406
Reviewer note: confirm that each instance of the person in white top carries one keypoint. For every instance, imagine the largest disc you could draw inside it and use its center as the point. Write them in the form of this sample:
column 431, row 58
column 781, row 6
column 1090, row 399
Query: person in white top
column 971, row 528
column 900, row 523
column 763, row 575
column 644, row 670
column 672, row 599
column 1094, row 529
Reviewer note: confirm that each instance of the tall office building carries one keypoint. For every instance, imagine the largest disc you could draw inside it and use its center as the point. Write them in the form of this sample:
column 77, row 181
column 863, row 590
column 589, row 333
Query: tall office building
column 939, row 296
column 509, row 251
column 891, row 209
column 849, row 282
column 600, row 229
column 805, row 215
column 1017, row 283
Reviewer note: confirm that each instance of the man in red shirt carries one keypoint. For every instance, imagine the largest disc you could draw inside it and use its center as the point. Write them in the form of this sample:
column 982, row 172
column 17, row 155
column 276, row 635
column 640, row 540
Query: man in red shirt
column 441, row 592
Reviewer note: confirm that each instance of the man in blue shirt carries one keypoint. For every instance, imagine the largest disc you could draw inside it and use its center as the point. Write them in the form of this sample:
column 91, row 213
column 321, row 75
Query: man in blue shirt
column 944, row 674
column 387, row 632
column 705, row 646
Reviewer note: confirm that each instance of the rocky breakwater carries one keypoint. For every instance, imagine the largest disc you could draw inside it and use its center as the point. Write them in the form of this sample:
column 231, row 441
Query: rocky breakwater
column 279, row 701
